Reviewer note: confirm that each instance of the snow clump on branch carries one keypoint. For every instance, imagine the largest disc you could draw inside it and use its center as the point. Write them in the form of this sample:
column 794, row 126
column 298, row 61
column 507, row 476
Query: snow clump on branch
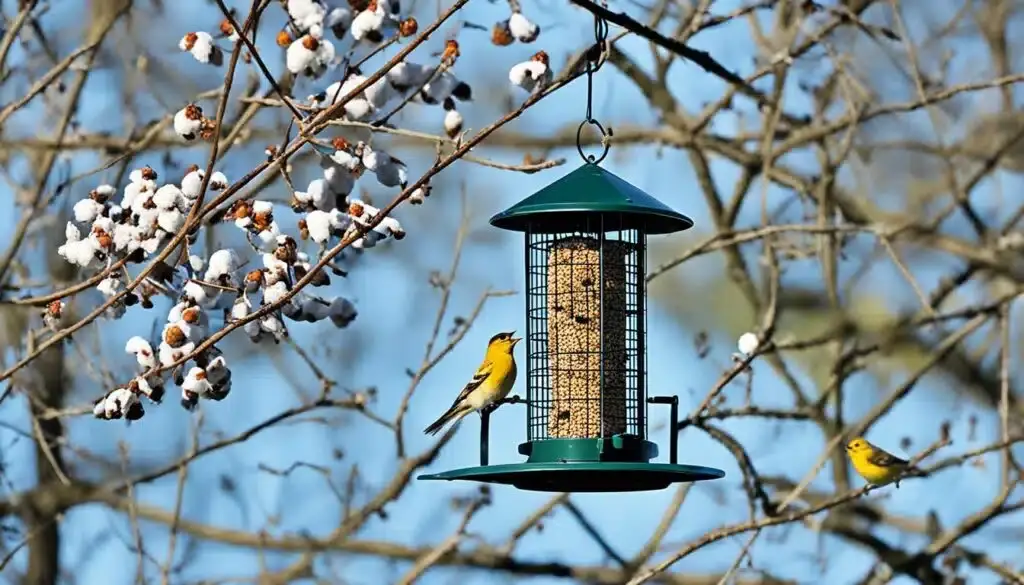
column 280, row 280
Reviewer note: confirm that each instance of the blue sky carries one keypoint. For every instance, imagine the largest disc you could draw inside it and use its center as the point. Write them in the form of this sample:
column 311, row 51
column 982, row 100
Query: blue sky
column 396, row 312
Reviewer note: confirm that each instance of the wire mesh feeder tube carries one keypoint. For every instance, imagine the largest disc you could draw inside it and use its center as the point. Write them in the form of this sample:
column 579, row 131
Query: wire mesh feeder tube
column 587, row 314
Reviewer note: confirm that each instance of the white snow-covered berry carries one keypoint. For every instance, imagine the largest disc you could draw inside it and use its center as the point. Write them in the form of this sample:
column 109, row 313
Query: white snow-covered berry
column 368, row 23
column 169, row 355
column 271, row 324
column 119, row 403
column 196, row 382
column 319, row 194
column 444, row 86
column 319, row 225
column 72, row 233
column 188, row 121
column 339, row 178
column 218, row 181
column 169, row 197
column 82, row 253
column 309, row 55
column 748, row 343
column 275, row 292
column 390, row 171
column 379, row 93
column 241, row 308
column 406, row 75
column 87, row 210
column 109, row 286
column 171, row 220
column 522, row 29
column 306, row 14
column 418, row 196
column 452, row 123
column 222, row 262
column 201, row 45
column 196, row 262
column 196, row 292
column 339, row 20
column 533, row 74
column 142, row 350
column 191, row 183
column 217, row 369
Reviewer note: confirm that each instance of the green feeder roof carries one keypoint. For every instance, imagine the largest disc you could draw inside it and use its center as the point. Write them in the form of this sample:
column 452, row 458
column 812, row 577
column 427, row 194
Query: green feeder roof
column 573, row 203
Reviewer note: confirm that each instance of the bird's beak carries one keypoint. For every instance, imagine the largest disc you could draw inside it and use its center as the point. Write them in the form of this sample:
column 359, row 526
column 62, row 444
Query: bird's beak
column 515, row 340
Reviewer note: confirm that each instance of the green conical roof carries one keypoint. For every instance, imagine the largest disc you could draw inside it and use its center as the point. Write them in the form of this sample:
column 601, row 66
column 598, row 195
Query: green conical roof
column 587, row 198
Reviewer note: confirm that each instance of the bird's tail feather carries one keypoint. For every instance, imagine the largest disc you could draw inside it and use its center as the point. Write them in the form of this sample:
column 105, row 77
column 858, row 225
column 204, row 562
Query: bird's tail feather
column 454, row 413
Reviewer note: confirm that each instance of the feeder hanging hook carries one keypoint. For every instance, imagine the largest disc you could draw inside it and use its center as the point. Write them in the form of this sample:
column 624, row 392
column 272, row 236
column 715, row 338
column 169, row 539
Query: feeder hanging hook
column 594, row 62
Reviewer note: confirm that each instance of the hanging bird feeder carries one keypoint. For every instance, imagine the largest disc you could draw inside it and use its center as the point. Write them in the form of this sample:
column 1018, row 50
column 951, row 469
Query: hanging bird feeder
column 586, row 356
column 586, row 240
column 586, row 387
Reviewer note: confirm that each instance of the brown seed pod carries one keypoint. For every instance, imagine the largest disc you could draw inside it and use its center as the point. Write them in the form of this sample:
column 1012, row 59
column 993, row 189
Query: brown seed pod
column 261, row 221
column 191, row 315
column 207, row 129
column 408, row 27
column 174, row 336
column 501, row 35
column 55, row 308
column 239, row 210
column 451, row 51
column 284, row 39
column 286, row 254
column 253, row 279
column 104, row 240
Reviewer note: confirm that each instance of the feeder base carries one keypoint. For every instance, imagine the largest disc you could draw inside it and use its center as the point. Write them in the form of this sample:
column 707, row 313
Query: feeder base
column 590, row 476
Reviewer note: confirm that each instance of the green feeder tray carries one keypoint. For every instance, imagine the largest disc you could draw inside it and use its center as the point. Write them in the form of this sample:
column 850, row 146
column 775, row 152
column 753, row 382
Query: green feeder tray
column 586, row 381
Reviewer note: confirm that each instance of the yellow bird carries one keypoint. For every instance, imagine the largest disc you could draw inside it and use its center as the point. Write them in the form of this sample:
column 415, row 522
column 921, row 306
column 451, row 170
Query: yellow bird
column 492, row 382
column 876, row 465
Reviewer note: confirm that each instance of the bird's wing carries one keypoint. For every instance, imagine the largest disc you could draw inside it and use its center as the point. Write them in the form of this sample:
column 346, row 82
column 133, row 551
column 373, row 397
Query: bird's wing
column 883, row 459
column 478, row 378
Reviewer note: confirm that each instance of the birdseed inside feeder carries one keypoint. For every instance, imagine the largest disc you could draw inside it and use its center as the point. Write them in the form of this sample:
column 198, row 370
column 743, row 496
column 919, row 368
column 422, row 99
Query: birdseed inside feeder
column 585, row 367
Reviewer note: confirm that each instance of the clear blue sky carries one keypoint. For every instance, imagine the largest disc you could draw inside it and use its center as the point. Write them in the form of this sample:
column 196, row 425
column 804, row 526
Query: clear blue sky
column 396, row 312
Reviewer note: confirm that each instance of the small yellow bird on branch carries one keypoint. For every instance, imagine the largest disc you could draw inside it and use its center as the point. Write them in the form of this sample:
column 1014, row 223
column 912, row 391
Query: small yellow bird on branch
column 876, row 465
column 490, row 384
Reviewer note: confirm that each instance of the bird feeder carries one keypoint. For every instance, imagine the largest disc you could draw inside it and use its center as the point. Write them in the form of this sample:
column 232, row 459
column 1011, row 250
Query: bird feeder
column 586, row 359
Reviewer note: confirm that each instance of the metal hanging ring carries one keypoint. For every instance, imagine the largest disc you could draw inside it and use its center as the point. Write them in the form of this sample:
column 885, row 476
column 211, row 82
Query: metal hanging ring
column 605, row 143
column 600, row 29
